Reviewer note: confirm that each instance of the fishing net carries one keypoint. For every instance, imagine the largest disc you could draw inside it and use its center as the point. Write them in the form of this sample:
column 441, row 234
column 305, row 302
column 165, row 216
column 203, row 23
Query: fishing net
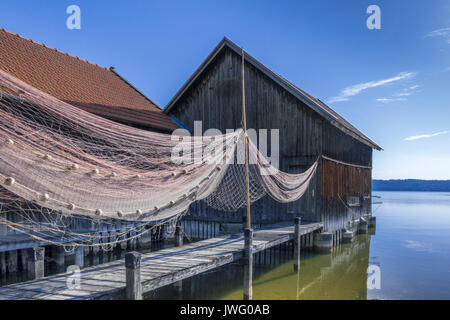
column 65, row 173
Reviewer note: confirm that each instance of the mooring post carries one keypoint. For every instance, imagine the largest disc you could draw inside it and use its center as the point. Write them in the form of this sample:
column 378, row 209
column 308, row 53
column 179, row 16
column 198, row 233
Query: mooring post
column 133, row 289
column 248, row 264
column 59, row 254
column 179, row 288
column 11, row 261
column 36, row 262
column 2, row 264
column 123, row 243
column 372, row 221
column 297, row 243
column 363, row 226
column 178, row 235
column 79, row 257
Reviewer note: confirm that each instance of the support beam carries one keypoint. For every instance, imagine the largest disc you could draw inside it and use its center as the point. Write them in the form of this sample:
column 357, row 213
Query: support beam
column 311, row 240
column 178, row 236
column 36, row 262
column 59, row 254
column 179, row 289
column 297, row 243
column 123, row 244
column 2, row 264
column 145, row 239
column 96, row 248
column 79, row 257
column 86, row 251
column 24, row 260
column 11, row 261
column 248, row 264
column 133, row 289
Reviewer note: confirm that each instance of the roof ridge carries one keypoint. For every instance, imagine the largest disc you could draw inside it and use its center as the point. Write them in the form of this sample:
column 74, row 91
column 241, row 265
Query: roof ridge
column 52, row 48
column 314, row 103
column 113, row 70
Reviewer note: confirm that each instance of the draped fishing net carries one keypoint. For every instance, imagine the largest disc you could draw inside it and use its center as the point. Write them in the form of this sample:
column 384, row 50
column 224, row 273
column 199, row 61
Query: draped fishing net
column 70, row 177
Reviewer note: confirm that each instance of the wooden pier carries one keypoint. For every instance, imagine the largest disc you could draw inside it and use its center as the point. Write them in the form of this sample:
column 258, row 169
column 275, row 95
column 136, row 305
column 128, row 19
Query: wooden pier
column 156, row 269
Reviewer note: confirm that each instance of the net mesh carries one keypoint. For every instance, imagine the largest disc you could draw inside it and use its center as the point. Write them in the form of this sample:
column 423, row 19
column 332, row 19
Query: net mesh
column 66, row 174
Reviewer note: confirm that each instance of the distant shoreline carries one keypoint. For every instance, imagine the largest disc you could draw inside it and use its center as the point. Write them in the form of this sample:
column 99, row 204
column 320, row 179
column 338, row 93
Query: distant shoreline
column 411, row 185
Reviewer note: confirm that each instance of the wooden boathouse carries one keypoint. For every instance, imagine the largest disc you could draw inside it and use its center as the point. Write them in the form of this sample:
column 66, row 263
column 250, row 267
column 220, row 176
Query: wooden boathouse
column 339, row 194
column 308, row 130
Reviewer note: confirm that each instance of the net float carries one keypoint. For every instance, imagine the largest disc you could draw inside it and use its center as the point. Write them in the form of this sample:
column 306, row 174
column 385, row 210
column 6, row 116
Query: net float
column 10, row 181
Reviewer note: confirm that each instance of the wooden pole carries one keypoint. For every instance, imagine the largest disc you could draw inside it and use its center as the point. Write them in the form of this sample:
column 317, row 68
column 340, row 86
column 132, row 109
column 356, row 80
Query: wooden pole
column 36, row 263
column 297, row 244
column 248, row 264
column 79, row 257
column 59, row 256
column 244, row 124
column 178, row 236
column 133, row 276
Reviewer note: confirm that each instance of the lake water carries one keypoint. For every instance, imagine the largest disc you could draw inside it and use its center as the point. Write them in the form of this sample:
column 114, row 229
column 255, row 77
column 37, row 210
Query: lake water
column 409, row 254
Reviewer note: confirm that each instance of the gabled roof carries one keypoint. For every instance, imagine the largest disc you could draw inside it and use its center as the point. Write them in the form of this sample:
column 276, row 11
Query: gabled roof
column 312, row 102
column 94, row 88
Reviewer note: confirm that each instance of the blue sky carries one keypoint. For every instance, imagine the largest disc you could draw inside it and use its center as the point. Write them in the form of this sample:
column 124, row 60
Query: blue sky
column 393, row 84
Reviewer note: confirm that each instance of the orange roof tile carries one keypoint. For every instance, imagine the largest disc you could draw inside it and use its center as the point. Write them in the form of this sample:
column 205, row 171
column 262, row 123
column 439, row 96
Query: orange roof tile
column 94, row 88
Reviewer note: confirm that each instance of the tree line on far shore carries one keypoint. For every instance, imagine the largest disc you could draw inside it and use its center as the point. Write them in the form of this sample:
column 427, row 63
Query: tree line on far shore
column 411, row 185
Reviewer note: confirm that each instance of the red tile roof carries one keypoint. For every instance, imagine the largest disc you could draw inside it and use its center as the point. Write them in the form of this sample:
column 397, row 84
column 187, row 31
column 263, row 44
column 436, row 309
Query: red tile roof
column 93, row 88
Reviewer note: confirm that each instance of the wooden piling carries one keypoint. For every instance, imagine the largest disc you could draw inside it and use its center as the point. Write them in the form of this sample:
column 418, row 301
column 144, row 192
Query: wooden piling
column 36, row 263
column 23, row 254
column 178, row 236
column 123, row 244
column 133, row 289
column 372, row 221
column 363, row 226
column 59, row 254
column 297, row 243
column 79, row 257
column 2, row 264
column 179, row 288
column 248, row 264
column 11, row 261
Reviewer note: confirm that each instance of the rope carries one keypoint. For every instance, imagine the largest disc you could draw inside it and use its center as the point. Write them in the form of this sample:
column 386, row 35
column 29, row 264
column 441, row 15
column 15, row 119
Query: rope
column 346, row 163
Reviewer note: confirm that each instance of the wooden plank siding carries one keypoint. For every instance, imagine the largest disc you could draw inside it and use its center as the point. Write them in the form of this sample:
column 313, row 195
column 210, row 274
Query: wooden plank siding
column 215, row 99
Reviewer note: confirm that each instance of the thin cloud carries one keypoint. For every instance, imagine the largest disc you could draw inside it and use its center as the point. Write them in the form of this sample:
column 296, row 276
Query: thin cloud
column 386, row 100
column 353, row 90
column 442, row 33
column 408, row 91
column 423, row 136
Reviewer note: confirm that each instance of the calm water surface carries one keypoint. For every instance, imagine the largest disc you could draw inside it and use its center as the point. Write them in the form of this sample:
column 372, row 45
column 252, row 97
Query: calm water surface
column 411, row 246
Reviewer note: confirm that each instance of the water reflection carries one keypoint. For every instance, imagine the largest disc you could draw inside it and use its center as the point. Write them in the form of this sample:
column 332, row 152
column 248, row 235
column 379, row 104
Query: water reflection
column 411, row 249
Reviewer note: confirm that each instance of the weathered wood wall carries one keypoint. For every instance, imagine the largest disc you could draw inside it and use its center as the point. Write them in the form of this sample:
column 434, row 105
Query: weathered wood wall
column 215, row 99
